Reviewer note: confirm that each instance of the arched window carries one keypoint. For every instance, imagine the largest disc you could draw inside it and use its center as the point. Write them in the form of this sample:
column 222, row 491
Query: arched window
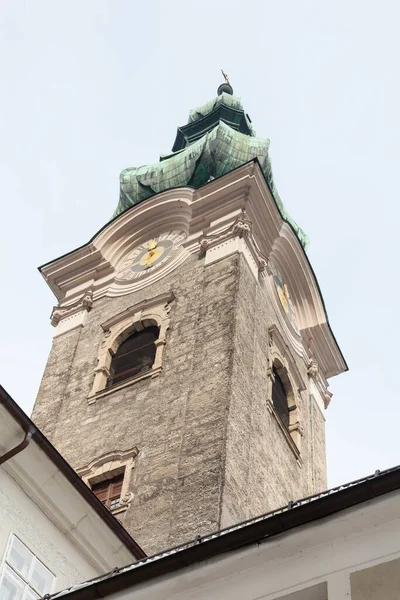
column 134, row 356
column 279, row 398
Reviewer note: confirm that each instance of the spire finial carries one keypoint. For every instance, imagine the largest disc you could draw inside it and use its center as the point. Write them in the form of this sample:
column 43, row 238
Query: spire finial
column 225, row 76
column 225, row 87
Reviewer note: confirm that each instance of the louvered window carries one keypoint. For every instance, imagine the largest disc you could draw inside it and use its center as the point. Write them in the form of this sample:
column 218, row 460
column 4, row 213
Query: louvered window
column 279, row 399
column 134, row 356
column 109, row 491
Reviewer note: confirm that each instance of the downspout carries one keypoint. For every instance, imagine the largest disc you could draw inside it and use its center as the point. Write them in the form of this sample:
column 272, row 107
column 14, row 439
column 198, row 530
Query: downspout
column 18, row 448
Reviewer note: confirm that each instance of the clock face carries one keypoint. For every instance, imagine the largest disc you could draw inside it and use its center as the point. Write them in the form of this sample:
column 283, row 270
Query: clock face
column 150, row 255
column 284, row 296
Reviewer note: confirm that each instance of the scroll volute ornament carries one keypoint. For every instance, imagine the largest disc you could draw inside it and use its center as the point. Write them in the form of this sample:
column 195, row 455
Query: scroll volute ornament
column 60, row 312
column 241, row 228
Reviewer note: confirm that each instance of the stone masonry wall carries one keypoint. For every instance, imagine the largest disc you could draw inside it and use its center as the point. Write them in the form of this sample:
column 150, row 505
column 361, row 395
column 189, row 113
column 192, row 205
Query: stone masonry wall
column 54, row 387
column 262, row 473
column 210, row 453
column 177, row 420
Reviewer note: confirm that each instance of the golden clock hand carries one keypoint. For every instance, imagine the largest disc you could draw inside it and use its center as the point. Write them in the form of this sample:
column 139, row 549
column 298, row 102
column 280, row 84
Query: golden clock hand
column 152, row 245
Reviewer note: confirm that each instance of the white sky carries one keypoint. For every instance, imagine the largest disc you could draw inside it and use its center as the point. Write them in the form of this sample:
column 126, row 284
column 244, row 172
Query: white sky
column 91, row 87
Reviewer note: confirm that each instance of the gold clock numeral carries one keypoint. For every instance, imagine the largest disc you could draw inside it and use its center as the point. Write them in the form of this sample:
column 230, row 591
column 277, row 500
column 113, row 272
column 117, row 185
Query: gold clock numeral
column 144, row 258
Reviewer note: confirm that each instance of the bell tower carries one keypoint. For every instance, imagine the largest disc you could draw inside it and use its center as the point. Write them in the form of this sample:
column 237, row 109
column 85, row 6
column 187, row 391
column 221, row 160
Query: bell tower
column 187, row 381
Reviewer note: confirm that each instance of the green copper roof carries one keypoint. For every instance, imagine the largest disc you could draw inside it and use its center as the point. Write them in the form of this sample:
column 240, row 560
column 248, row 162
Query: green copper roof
column 218, row 138
column 225, row 108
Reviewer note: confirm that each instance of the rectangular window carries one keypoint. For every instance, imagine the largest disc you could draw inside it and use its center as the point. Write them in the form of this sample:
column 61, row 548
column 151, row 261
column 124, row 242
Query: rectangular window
column 109, row 491
column 23, row 576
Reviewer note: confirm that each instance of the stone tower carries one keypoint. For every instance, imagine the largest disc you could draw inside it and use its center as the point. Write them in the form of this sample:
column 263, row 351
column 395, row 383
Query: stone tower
column 187, row 382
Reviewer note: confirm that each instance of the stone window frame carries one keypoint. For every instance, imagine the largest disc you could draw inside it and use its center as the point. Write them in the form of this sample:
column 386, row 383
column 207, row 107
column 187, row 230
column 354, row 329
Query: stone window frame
column 117, row 329
column 108, row 466
column 294, row 432
column 288, row 373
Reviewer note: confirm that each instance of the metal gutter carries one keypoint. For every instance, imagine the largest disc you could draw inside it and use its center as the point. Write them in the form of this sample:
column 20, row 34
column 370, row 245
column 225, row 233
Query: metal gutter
column 35, row 434
column 18, row 448
column 294, row 514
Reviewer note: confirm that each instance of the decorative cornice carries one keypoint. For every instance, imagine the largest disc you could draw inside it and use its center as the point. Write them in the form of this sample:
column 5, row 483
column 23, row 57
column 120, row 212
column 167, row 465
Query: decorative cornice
column 60, row 312
column 110, row 457
column 243, row 229
column 205, row 215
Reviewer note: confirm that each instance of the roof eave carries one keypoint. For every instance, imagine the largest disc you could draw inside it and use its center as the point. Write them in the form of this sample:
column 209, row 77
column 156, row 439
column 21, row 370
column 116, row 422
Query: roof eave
column 27, row 425
column 241, row 535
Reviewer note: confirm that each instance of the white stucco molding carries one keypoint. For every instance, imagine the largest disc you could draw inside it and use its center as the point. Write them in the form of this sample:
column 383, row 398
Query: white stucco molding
column 153, row 311
column 289, row 332
column 70, row 316
column 319, row 384
column 313, row 325
column 260, row 234
column 185, row 209
column 108, row 466
column 236, row 237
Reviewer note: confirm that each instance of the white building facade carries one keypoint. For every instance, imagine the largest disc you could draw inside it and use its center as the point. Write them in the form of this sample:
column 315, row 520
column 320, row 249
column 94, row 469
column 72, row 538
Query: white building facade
column 53, row 531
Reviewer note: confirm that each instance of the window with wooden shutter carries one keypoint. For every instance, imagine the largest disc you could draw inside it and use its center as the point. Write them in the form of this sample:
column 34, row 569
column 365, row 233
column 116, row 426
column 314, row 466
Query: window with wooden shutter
column 134, row 356
column 279, row 399
column 109, row 491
